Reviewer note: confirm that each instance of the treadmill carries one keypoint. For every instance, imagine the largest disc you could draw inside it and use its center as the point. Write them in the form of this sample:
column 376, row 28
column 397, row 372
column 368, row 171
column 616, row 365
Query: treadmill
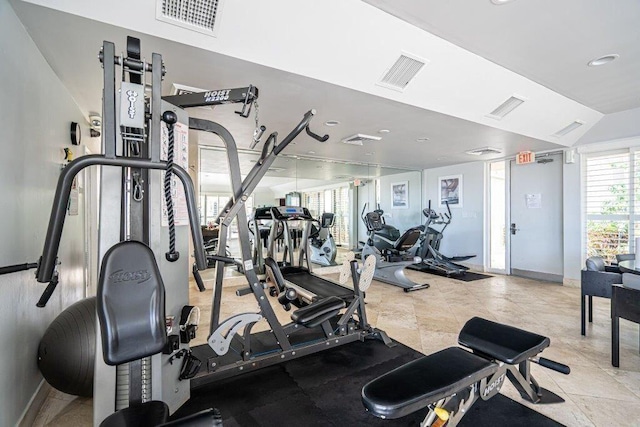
column 309, row 286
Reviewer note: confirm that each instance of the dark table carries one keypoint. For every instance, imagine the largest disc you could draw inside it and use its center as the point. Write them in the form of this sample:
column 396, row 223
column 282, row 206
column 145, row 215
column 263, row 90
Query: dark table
column 630, row 266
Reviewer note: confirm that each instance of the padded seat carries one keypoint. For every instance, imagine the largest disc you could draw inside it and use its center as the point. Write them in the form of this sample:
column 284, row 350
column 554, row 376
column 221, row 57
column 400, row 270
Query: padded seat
column 316, row 313
column 417, row 384
column 505, row 343
column 148, row 414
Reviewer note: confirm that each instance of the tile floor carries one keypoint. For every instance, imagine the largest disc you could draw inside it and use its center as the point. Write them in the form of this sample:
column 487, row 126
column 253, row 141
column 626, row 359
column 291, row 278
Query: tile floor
column 596, row 393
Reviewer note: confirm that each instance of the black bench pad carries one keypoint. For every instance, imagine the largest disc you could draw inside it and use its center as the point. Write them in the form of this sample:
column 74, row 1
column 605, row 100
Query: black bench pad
column 417, row 384
column 505, row 343
column 316, row 313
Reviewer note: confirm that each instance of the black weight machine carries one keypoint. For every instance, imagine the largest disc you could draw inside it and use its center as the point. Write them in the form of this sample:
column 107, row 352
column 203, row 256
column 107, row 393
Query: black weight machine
column 136, row 311
column 429, row 246
column 232, row 347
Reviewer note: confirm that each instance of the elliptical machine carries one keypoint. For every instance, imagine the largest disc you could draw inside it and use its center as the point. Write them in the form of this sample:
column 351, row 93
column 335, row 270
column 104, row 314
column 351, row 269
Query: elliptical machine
column 322, row 246
column 429, row 247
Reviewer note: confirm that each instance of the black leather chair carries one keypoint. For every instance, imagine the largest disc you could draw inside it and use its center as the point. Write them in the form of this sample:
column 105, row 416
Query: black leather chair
column 625, row 304
column 596, row 281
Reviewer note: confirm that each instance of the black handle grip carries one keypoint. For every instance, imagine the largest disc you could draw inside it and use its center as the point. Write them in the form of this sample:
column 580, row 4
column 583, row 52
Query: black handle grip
column 265, row 148
column 46, row 295
column 18, row 267
column 243, row 291
column 550, row 364
column 224, row 259
column 198, row 278
column 295, row 132
column 316, row 136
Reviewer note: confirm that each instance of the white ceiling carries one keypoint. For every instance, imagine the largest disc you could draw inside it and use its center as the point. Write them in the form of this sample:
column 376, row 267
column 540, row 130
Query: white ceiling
column 449, row 111
column 548, row 41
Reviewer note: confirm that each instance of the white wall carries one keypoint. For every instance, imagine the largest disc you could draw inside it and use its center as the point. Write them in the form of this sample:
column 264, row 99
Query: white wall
column 464, row 236
column 36, row 112
column 402, row 219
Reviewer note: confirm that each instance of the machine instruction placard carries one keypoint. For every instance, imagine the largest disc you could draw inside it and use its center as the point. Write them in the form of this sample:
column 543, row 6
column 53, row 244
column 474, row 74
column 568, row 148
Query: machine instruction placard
column 180, row 158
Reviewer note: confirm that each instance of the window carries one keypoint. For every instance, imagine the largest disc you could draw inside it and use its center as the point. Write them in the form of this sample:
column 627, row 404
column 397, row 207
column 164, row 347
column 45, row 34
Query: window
column 334, row 200
column 611, row 182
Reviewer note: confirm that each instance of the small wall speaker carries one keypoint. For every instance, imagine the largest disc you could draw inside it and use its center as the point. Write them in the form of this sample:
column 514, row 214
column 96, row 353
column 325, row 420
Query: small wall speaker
column 570, row 156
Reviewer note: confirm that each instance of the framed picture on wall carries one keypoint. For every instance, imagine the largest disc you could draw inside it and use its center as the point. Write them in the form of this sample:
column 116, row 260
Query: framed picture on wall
column 450, row 190
column 400, row 195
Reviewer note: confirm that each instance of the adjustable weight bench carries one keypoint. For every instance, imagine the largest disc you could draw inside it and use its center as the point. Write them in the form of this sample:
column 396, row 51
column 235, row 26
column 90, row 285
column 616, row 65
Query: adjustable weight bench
column 450, row 381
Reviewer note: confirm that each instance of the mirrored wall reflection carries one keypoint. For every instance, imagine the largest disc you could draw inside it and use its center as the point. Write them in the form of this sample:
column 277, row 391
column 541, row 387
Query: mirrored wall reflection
column 321, row 186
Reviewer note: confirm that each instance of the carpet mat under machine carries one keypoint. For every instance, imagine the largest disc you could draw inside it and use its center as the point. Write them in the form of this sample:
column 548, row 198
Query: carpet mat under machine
column 324, row 389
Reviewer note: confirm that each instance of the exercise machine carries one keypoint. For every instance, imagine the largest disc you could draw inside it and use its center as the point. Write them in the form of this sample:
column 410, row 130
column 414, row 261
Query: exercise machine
column 322, row 247
column 429, row 246
column 233, row 347
column 391, row 261
column 450, row 381
column 138, row 127
column 385, row 236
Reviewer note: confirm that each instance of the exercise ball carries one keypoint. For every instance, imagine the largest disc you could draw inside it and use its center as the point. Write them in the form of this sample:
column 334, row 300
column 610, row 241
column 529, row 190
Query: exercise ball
column 68, row 347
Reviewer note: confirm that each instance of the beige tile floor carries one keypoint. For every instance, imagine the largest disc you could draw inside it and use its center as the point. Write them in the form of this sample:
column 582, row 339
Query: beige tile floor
column 596, row 393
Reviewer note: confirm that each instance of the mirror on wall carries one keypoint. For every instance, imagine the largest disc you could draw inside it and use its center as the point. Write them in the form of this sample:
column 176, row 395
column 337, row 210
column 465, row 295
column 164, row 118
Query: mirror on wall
column 320, row 185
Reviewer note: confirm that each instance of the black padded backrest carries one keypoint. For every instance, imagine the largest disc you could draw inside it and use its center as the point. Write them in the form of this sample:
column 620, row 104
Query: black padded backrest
column 408, row 239
column 130, row 304
column 595, row 263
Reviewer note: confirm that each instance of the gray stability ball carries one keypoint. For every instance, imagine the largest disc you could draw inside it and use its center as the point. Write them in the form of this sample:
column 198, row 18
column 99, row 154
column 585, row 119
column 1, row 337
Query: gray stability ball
column 68, row 347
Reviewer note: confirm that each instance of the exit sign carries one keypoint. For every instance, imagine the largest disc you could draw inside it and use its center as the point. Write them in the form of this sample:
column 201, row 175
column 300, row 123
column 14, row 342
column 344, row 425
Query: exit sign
column 525, row 157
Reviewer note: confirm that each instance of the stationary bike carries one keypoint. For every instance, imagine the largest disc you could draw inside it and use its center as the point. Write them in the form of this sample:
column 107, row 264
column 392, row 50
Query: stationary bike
column 322, row 245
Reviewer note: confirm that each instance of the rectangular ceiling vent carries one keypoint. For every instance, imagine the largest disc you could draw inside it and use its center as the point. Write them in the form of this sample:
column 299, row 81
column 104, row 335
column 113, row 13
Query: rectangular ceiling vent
column 402, row 72
column 573, row 126
column 506, row 107
column 199, row 15
column 360, row 138
column 484, row 151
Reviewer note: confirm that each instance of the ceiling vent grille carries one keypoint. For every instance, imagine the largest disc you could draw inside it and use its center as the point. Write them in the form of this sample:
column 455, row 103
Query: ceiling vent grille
column 570, row 128
column 484, row 151
column 194, row 14
column 506, row 107
column 402, row 72
column 360, row 138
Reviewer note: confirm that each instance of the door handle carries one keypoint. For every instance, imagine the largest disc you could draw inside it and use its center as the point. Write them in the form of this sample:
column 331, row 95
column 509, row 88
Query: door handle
column 513, row 228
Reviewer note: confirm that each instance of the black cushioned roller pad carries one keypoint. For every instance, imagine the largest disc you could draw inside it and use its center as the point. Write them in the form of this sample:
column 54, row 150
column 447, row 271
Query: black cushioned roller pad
column 130, row 304
column 505, row 343
column 316, row 313
column 417, row 384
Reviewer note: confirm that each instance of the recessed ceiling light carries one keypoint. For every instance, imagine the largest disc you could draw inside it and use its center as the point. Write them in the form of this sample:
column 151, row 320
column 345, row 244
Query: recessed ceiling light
column 441, row 158
column 331, row 123
column 368, row 154
column 422, row 139
column 499, row 2
column 311, row 152
column 384, row 131
column 603, row 60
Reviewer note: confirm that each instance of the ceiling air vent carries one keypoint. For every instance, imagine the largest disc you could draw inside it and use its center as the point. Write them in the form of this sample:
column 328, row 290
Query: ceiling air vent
column 360, row 138
column 484, row 151
column 199, row 15
column 573, row 126
column 402, row 72
column 506, row 107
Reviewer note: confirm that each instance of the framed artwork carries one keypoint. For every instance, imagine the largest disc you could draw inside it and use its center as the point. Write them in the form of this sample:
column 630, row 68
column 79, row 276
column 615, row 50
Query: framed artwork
column 400, row 195
column 450, row 188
